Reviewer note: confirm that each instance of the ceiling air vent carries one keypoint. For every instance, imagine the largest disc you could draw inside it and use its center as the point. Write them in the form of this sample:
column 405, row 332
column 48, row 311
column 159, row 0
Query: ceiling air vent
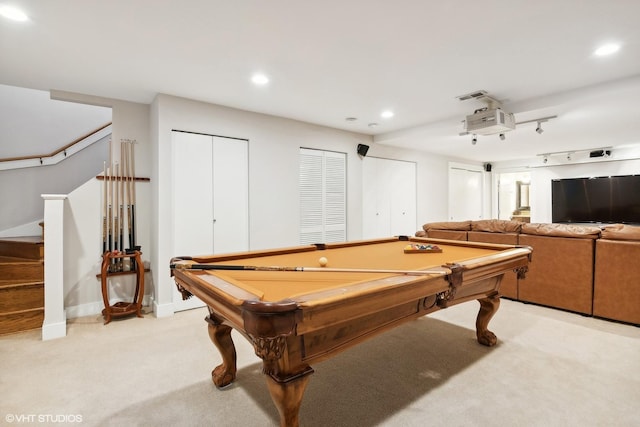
column 473, row 95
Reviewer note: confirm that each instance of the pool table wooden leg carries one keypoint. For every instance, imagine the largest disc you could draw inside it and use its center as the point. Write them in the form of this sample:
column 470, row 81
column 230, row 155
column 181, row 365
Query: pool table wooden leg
column 488, row 307
column 220, row 334
column 287, row 397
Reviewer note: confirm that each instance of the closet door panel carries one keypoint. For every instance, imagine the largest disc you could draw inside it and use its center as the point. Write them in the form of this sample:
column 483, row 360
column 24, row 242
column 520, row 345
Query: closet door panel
column 230, row 195
column 210, row 198
column 192, row 190
column 369, row 198
column 403, row 198
column 465, row 194
column 389, row 197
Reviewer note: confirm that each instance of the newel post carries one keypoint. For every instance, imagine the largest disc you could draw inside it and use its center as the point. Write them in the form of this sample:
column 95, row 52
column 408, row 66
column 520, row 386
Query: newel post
column 55, row 317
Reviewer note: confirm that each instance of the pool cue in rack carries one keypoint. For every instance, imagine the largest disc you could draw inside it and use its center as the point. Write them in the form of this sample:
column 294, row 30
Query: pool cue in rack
column 118, row 210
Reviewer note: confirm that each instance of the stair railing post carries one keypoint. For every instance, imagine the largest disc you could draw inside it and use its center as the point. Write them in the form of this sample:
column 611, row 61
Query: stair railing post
column 55, row 318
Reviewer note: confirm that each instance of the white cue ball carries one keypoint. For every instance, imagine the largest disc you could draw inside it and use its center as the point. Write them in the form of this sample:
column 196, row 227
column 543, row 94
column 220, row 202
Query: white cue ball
column 323, row 261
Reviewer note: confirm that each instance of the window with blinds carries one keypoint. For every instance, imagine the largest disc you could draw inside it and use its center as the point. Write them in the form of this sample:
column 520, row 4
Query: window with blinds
column 322, row 187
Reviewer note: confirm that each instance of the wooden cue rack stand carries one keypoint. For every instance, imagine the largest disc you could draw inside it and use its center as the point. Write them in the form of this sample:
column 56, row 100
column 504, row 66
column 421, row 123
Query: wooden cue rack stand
column 121, row 309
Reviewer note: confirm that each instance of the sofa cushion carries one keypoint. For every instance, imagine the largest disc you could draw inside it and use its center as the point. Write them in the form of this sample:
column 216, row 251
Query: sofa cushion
column 561, row 230
column 447, row 234
column 621, row 232
column 448, row 225
column 496, row 226
column 499, row 238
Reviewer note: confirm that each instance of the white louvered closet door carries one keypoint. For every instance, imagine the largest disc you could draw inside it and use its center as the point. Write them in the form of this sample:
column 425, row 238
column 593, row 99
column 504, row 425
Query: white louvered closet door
column 322, row 192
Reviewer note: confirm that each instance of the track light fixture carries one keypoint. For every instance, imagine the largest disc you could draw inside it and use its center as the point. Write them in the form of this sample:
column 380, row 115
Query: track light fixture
column 576, row 156
column 474, row 140
column 539, row 122
column 502, row 137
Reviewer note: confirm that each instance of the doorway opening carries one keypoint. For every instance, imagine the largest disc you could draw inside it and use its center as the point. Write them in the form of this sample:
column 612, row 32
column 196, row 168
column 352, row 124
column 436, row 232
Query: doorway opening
column 514, row 196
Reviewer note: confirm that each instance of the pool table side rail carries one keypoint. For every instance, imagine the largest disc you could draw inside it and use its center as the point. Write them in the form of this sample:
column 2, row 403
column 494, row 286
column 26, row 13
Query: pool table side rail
column 282, row 251
column 335, row 311
column 365, row 287
column 468, row 244
column 202, row 259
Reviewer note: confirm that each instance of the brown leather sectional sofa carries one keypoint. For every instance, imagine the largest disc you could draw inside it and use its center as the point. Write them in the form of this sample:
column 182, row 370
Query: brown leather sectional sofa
column 585, row 269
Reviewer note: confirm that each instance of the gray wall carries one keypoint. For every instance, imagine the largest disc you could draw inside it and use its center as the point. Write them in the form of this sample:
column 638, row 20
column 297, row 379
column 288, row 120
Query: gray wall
column 21, row 189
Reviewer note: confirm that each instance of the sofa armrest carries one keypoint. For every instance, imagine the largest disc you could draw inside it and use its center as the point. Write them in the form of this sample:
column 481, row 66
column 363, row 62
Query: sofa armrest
column 496, row 226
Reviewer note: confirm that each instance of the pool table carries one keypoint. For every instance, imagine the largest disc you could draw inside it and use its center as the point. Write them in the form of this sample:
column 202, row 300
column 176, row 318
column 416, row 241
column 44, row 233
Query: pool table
column 296, row 312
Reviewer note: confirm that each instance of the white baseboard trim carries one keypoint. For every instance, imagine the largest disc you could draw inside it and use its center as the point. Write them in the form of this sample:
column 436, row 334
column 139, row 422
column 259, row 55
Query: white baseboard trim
column 52, row 331
column 163, row 310
column 95, row 308
column 82, row 310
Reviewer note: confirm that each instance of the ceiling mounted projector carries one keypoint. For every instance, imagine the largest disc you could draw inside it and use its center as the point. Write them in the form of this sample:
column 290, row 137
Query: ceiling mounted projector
column 489, row 121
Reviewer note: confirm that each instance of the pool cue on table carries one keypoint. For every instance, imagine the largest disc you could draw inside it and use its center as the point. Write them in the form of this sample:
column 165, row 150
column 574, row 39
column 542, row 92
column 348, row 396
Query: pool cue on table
column 185, row 266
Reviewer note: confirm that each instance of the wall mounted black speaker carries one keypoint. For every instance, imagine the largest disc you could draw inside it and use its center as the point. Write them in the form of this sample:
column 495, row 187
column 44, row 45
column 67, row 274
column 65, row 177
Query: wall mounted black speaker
column 487, row 167
column 362, row 149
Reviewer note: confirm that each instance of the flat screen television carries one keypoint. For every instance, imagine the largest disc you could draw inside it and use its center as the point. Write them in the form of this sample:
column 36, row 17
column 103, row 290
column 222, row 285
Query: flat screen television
column 608, row 199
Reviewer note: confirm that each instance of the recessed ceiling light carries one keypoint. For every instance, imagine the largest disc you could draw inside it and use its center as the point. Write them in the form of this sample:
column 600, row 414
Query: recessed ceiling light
column 387, row 114
column 260, row 79
column 607, row 49
column 372, row 125
column 351, row 119
column 13, row 13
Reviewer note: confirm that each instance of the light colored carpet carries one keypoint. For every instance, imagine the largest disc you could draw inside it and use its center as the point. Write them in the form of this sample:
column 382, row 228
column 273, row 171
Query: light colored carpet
column 550, row 368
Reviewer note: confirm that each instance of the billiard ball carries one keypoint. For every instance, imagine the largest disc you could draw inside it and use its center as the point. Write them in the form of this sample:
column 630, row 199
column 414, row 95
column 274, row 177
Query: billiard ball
column 323, row 261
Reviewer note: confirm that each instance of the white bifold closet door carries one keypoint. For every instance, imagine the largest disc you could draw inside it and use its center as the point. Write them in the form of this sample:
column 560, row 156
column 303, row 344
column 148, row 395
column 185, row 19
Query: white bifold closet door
column 389, row 197
column 210, row 197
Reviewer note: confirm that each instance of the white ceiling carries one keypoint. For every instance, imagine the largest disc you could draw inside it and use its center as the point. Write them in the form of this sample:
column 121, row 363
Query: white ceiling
column 329, row 60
